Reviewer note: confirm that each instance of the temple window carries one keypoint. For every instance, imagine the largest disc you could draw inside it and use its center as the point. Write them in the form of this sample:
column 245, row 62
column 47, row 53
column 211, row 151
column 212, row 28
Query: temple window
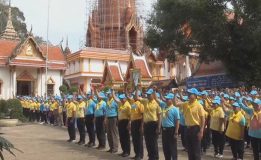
column 133, row 39
column 50, row 86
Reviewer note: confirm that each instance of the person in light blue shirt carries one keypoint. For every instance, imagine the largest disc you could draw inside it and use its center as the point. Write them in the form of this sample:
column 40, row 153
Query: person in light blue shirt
column 111, row 123
column 255, row 125
column 170, row 127
column 89, row 119
column 99, row 114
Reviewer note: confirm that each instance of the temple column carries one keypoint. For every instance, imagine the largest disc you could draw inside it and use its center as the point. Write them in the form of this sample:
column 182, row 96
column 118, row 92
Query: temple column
column 14, row 82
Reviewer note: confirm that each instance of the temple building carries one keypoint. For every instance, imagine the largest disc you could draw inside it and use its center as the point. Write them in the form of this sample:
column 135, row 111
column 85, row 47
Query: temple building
column 23, row 65
column 115, row 37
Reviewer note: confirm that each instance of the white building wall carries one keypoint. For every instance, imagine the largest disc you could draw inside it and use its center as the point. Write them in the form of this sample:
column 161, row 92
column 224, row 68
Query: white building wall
column 56, row 76
column 77, row 66
column 97, row 65
column 5, row 77
column 124, row 67
column 86, row 65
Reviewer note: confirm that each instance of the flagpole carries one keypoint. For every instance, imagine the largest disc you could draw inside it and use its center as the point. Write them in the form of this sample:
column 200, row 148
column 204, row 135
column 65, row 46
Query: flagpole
column 47, row 51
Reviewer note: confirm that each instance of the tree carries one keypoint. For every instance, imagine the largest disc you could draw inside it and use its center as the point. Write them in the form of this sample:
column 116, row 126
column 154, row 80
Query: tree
column 18, row 19
column 226, row 30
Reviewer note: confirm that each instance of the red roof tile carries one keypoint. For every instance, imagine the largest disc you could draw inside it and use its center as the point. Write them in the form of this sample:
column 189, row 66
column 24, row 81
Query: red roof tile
column 7, row 47
column 19, row 62
column 55, row 53
column 140, row 64
column 115, row 73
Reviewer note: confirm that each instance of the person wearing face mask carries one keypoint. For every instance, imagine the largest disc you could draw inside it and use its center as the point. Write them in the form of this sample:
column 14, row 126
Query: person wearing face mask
column 235, row 132
column 255, row 125
column 194, row 115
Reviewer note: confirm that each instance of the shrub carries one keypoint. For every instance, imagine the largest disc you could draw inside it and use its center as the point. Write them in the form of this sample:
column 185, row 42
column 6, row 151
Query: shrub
column 73, row 89
column 63, row 89
column 3, row 108
column 16, row 109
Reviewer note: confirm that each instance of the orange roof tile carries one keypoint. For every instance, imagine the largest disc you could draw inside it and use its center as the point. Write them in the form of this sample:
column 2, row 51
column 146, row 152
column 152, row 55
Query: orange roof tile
column 20, row 62
column 115, row 73
column 140, row 64
column 55, row 53
column 7, row 47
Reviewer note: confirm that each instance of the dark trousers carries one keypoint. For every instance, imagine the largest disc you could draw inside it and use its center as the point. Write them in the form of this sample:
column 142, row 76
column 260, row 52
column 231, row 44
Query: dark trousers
column 194, row 144
column 256, row 146
column 237, row 148
column 218, row 140
column 100, row 131
column 44, row 116
column 112, row 133
column 81, row 128
column 247, row 137
column 183, row 133
column 124, row 135
column 90, row 128
column 137, row 138
column 71, row 128
column 32, row 116
column 37, row 115
column 151, row 140
column 51, row 117
column 64, row 118
column 24, row 112
column 204, row 141
column 169, row 143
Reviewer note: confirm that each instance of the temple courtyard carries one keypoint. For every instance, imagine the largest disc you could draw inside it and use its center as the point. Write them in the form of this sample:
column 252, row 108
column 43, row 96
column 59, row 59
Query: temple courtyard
column 44, row 142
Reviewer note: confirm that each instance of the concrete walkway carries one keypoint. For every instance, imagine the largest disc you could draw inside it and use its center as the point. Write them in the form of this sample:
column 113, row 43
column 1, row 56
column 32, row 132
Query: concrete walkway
column 40, row 142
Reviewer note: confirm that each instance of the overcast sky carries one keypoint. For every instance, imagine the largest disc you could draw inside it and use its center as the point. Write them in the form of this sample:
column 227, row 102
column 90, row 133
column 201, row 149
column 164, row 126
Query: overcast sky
column 67, row 18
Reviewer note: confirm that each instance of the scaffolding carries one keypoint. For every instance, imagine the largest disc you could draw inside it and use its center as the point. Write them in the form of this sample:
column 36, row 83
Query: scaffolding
column 107, row 21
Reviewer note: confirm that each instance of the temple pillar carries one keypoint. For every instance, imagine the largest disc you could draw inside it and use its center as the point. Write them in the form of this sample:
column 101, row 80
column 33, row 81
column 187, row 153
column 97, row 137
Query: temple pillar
column 14, row 82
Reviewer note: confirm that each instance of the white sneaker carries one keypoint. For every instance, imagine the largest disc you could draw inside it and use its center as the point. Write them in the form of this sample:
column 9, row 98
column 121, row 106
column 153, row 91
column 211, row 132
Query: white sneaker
column 220, row 156
column 216, row 155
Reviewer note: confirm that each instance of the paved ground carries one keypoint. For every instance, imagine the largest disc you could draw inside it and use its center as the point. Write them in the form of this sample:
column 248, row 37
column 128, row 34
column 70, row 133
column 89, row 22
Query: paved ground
column 40, row 142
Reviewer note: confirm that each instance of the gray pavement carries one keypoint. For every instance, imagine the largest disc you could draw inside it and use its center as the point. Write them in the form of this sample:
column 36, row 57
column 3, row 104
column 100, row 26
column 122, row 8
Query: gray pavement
column 44, row 142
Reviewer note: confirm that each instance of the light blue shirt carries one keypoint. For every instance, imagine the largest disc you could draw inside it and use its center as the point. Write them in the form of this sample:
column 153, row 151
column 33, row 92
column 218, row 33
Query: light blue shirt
column 112, row 110
column 170, row 118
column 90, row 109
column 251, row 132
column 101, row 111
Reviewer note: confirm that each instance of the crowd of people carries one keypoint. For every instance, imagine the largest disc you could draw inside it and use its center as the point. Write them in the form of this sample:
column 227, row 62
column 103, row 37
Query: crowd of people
column 200, row 117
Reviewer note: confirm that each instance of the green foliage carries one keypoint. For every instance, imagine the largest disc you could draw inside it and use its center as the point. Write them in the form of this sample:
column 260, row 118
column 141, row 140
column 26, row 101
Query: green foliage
column 18, row 20
column 63, row 89
column 73, row 89
column 8, row 146
column 235, row 40
column 3, row 108
column 16, row 109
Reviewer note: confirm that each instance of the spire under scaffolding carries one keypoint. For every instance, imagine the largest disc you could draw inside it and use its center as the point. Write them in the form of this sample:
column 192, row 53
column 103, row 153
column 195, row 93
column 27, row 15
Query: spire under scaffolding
column 9, row 32
column 114, row 24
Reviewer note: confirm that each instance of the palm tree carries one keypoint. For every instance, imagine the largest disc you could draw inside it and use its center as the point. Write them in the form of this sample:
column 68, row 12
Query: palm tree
column 6, row 145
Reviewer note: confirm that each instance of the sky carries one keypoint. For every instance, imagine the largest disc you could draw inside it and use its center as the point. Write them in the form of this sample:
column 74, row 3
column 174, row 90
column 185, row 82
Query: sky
column 68, row 18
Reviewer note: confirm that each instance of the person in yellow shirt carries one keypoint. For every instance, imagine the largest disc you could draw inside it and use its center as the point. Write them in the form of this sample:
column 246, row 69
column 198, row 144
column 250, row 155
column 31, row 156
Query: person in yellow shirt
column 137, row 110
column 32, row 106
column 71, row 114
column 152, row 123
column 235, row 132
column 217, row 126
column 124, row 112
column 80, row 109
column 37, row 110
column 194, row 115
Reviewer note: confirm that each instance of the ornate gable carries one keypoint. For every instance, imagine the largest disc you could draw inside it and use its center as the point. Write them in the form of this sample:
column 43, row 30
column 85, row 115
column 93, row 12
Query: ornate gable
column 25, row 76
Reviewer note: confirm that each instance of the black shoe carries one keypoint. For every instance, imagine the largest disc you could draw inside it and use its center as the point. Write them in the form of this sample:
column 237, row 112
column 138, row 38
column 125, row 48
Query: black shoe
column 81, row 143
column 125, row 155
column 101, row 148
column 114, row 151
column 121, row 154
column 109, row 151
column 91, row 145
column 69, row 140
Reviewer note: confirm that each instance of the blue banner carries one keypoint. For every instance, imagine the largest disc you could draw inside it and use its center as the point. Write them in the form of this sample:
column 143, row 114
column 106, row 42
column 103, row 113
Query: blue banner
column 217, row 81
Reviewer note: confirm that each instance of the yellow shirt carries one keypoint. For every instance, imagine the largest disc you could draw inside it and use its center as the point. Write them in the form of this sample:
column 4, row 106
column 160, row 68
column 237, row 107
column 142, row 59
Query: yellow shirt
column 137, row 110
column 124, row 111
column 22, row 103
column 71, row 107
column 27, row 104
column 80, row 110
column 54, row 106
column 215, row 121
column 235, row 126
column 37, row 106
column 151, row 110
column 192, row 113
column 32, row 105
